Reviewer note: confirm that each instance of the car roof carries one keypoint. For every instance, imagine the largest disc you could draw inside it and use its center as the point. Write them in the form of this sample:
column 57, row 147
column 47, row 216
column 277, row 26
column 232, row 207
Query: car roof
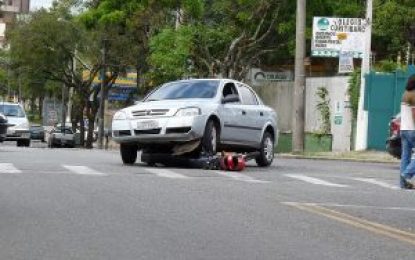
column 203, row 79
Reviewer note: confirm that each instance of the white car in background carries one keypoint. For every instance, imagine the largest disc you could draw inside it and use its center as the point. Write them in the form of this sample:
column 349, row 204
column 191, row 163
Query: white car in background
column 197, row 116
column 18, row 129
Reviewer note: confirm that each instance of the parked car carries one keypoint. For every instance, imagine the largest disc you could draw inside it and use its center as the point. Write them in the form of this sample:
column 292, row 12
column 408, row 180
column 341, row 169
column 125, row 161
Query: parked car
column 3, row 127
column 37, row 132
column 18, row 129
column 62, row 137
column 199, row 115
column 393, row 143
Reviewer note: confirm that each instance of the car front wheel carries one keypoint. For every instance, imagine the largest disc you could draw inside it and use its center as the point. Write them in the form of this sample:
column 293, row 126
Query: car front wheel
column 23, row 143
column 210, row 138
column 128, row 153
column 266, row 152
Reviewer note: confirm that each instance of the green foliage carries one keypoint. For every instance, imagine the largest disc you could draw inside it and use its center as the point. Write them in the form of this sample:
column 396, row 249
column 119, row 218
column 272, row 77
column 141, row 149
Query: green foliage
column 391, row 22
column 323, row 106
column 386, row 66
column 170, row 52
column 354, row 91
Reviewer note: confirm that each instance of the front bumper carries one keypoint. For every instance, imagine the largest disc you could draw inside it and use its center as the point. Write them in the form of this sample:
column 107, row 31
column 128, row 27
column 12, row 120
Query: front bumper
column 170, row 130
column 17, row 135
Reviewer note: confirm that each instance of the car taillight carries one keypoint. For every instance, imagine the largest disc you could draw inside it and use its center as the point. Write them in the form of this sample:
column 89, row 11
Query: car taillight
column 395, row 126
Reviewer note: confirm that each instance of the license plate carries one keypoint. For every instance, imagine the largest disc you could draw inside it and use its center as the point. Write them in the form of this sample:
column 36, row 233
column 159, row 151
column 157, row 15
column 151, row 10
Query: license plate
column 25, row 135
column 145, row 125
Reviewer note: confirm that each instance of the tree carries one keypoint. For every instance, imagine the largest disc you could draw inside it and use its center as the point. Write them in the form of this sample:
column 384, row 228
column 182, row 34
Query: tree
column 46, row 45
column 391, row 23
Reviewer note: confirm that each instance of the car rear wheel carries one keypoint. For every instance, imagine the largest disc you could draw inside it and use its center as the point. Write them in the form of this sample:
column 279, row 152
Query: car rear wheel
column 128, row 153
column 210, row 138
column 266, row 152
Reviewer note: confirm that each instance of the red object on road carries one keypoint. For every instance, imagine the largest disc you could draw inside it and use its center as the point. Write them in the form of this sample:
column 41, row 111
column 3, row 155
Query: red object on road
column 232, row 162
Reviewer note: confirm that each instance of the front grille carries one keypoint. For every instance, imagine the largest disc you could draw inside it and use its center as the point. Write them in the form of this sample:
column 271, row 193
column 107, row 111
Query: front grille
column 155, row 131
column 122, row 133
column 177, row 130
column 150, row 112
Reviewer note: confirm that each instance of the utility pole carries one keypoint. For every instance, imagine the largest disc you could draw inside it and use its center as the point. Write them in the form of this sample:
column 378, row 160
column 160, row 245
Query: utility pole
column 362, row 116
column 299, row 84
column 102, row 98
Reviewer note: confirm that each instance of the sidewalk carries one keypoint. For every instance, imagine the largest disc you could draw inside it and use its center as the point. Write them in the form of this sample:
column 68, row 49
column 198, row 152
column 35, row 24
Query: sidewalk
column 359, row 156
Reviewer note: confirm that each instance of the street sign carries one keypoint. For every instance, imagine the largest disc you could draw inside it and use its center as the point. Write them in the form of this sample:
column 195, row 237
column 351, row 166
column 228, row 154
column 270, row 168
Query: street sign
column 332, row 35
column 346, row 62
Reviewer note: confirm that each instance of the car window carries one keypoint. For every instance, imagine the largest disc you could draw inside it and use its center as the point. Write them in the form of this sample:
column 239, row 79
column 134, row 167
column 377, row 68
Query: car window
column 185, row 89
column 229, row 89
column 12, row 110
column 248, row 97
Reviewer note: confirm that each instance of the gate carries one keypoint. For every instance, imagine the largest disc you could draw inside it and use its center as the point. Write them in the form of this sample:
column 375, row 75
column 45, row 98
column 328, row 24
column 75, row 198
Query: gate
column 383, row 95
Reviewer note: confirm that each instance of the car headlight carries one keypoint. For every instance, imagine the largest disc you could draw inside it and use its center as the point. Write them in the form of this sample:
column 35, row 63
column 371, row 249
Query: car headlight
column 188, row 111
column 120, row 115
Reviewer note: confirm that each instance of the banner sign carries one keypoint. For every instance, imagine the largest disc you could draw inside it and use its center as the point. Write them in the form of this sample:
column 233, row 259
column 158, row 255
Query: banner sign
column 332, row 35
column 259, row 77
column 346, row 62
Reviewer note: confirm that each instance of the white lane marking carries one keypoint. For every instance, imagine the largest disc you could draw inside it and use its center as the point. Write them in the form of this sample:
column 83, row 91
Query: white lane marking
column 378, row 182
column 8, row 168
column 315, row 180
column 335, row 205
column 166, row 173
column 83, row 170
column 240, row 177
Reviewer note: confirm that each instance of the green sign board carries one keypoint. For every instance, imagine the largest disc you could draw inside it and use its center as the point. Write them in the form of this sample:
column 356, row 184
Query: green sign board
column 338, row 119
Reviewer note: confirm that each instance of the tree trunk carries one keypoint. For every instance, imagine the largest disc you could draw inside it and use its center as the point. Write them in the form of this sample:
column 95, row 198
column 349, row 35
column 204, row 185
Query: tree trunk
column 41, row 99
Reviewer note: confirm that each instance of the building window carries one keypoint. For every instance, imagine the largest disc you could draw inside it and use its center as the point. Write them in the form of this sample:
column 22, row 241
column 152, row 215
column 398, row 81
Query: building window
column 10, row 2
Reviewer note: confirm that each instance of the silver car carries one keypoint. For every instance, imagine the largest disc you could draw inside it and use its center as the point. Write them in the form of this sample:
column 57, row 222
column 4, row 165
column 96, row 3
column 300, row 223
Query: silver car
column 18, row 129
column 197, row 116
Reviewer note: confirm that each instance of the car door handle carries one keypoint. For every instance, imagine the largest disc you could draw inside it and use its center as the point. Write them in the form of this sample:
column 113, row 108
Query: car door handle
column 243, row 113
column 261, row 113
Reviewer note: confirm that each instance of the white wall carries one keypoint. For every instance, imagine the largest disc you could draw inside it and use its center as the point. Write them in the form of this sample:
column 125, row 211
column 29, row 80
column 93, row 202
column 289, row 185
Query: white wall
column 279, row 96
column 337, row 88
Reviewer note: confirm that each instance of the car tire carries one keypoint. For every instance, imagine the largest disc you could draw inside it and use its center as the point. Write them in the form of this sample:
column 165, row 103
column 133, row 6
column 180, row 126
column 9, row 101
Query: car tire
column 26, row 143
column 128, row 153
column 266, row 152
column 210, row 139
column 19, row 143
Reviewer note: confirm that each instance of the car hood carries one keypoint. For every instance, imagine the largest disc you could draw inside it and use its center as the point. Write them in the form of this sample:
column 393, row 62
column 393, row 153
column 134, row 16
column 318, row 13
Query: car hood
column 18, row 122
column 171, row 105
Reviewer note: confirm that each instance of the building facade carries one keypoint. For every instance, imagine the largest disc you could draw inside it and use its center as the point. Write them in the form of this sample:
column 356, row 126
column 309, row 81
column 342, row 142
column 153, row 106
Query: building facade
column 8, row 12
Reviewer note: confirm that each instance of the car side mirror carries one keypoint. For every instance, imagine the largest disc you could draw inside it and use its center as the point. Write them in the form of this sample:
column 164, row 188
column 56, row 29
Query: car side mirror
column 230, row 99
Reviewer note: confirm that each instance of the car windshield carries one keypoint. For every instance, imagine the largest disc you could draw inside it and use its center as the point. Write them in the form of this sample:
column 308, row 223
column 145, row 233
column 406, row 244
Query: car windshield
column 185, row 89
column 62, row 130
column 11, row 110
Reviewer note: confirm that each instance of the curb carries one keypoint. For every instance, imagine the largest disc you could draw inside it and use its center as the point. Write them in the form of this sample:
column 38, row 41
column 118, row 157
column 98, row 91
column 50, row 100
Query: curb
column 289, row 156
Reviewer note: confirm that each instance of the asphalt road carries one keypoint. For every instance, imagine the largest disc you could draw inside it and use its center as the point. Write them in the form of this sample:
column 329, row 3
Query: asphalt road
column 84, row 204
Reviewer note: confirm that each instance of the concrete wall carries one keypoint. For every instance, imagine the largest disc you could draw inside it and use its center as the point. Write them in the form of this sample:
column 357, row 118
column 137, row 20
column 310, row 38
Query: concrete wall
column 337, row 88
column 279, row 96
